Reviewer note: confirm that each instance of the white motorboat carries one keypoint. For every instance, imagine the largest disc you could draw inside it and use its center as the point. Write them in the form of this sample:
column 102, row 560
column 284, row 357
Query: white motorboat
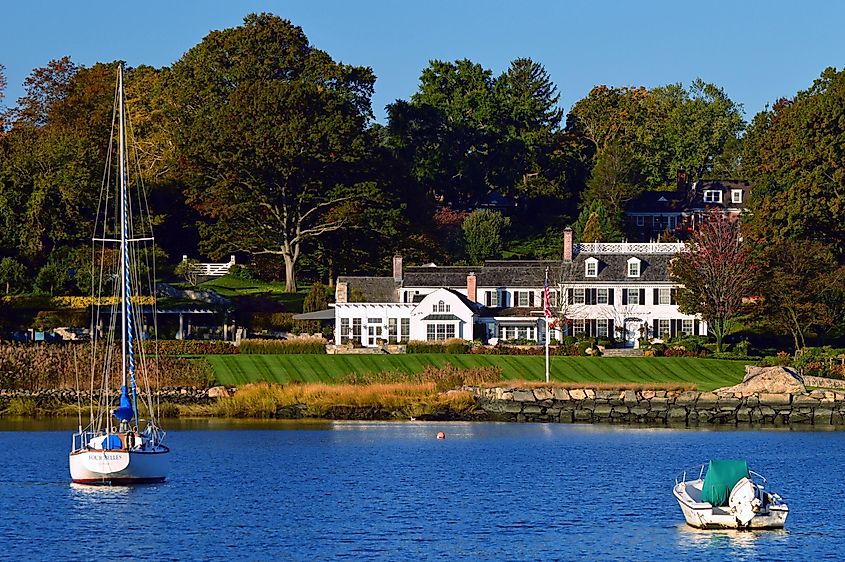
column 119, row 450
column 727, row 495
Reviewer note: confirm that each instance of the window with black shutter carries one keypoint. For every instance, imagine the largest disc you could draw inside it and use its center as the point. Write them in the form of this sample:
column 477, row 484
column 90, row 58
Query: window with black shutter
column 656, row 297
column 610, row 293
column 624, row 297
column 642, row 296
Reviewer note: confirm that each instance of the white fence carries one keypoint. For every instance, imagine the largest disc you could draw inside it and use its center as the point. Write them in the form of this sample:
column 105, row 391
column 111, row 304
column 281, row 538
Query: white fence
column 211, row 269
column 630, row 247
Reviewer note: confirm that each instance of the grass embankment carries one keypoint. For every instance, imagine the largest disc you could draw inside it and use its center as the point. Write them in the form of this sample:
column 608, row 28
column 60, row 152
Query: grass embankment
column 229, row 286
column 706, row 374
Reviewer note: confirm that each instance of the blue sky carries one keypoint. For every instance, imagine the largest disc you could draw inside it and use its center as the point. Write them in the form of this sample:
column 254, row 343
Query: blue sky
column 758, row 51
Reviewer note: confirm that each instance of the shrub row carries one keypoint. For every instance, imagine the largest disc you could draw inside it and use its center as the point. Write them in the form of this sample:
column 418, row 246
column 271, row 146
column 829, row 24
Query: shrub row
column 190, row 347
column 313, row 346
column 453, row 346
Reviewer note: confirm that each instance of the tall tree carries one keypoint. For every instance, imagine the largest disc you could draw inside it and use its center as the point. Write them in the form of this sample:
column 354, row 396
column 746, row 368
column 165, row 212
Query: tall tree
column 663, row 129
column 483, row 232
column 448, row 126
column 803, row 288
column 466, row 132
column 3, row 84
column 273, row 132
column 715, row 273
column 43, row 88
column 614, row 181
column 794, row 155
column 602, row 226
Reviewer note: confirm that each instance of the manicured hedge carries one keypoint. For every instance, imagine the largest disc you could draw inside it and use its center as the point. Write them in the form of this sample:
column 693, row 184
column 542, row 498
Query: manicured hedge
column 453, row 346
column 312, row 346
column 191, row 347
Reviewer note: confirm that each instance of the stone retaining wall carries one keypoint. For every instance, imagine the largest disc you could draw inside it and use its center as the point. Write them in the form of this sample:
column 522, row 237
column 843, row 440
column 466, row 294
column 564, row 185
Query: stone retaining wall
column 659, row 407
column 63, row 396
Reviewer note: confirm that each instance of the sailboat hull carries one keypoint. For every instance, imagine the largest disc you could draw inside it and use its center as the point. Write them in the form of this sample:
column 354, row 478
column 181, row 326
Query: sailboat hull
column 119, row 467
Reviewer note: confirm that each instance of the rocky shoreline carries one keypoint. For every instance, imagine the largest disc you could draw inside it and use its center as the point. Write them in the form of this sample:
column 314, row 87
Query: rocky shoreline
column 541, row 404
column 661, row 407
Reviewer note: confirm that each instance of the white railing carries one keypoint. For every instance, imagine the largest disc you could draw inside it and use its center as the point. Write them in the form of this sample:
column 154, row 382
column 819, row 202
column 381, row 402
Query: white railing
column 211, row 269
column 629, row 247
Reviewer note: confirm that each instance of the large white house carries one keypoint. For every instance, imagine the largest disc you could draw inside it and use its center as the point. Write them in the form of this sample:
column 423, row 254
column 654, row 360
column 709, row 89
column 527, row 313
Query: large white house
column 618, row 291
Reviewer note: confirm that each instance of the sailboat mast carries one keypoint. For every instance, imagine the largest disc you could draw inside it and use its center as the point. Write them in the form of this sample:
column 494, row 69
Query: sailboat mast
column 124, row 262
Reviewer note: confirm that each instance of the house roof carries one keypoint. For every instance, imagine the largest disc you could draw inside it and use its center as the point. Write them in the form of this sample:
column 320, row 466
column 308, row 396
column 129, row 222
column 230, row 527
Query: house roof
column 439, row 317
column 725, row 186
column 327, row 314
column 473, row 306
column 689, row 198
column 511, row 312
column 437, row 276
column 372, row 289
column 613, row 268
column 522, row 273
column 658, row 202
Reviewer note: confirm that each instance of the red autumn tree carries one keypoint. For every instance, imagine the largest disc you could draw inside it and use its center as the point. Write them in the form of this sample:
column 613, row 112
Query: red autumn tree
column 715, row 273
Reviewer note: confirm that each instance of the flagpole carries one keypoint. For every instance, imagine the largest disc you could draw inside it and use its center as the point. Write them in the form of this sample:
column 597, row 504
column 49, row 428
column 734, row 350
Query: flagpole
column 546, row 319
column 547, row 351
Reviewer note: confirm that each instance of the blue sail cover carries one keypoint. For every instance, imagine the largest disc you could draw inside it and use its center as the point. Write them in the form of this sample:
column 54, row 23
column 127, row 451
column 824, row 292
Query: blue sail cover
column 125, row 412
column 112, row 442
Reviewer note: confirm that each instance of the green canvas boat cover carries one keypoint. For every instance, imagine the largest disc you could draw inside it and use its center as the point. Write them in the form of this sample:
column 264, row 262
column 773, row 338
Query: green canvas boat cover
column 721, row 477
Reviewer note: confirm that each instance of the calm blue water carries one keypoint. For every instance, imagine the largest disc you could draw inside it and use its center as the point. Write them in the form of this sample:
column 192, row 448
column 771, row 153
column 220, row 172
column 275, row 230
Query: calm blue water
column 392, row 491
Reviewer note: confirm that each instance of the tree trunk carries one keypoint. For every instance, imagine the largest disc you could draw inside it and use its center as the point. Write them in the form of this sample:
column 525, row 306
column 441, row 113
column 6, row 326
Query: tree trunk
column 290, row 273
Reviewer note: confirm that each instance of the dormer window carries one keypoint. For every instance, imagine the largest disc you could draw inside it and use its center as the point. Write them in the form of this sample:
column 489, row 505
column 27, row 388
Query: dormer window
column 440, row 307
column 736, row 196
column 712, row 196
column 633, row 267
column 591, row 267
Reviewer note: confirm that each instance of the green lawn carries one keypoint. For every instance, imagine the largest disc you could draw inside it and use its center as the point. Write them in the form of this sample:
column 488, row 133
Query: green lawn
column 228, row 286
column 706, row 373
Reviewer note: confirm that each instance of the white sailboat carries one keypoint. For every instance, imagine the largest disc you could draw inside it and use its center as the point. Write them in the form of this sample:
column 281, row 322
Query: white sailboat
column 117, row 446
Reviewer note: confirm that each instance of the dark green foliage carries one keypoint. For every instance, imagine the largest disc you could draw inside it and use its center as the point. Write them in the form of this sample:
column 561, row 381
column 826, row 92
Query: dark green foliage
column 802, row 288
column 603, row 228
column 274, row 135
column 14, row 277
column 483, row 234
column 793, row 154
column 189, row 347
column 317, row 298
column 660, row 131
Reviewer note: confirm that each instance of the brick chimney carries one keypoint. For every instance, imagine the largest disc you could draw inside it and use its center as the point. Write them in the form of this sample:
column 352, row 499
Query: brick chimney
column 472, row 292
column 341, row 292
column 567, row 244
column 397, row 268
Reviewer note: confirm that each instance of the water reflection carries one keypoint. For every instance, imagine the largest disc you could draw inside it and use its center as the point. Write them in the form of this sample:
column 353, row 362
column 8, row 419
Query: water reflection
column 745, row 541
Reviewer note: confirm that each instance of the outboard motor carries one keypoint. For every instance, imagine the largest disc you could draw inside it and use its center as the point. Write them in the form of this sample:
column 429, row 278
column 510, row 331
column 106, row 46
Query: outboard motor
column 743, row 501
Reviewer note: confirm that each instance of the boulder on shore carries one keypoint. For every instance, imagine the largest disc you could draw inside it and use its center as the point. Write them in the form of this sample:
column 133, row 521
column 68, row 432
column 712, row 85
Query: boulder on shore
column 218, row 392
column 769, row 380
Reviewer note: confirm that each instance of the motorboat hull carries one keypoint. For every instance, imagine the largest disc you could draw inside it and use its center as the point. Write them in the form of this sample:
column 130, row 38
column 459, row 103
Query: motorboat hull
column 119, row 467
column 703, row 515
